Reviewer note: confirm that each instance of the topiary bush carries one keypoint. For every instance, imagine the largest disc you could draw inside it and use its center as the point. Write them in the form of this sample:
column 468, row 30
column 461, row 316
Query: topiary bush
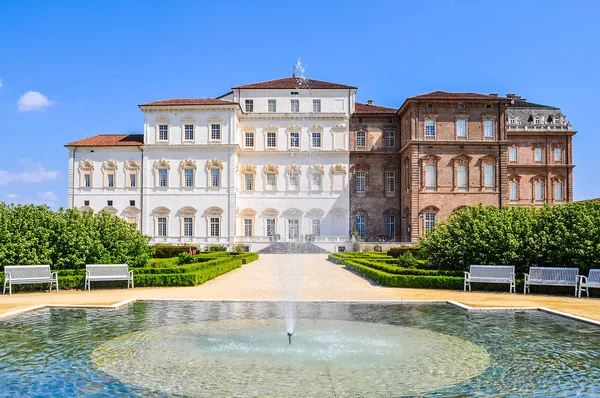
column 185, row 258
column 215, row 248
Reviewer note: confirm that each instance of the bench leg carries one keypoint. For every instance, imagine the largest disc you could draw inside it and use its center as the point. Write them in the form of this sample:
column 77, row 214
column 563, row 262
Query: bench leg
column 56, row 285
column 575, row 290
column 525, row 289
column 4, row 290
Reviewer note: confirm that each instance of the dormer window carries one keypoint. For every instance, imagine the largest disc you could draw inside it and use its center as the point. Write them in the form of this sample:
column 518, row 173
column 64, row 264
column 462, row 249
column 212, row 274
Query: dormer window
column 556, row 120
column 294, row 93
column 538, row 120
column 430, row 105
column 249, row 105
column 461, row 106
column 512, row 121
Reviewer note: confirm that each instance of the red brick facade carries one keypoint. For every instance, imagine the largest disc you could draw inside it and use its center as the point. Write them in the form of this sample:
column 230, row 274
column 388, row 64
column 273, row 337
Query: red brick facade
column 453, row 151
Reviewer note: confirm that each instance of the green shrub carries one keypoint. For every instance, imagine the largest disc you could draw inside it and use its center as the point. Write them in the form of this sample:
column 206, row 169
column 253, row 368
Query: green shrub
column 378, row 248
column 246, row 257
column 239, row 248
column 555, row 236
column 409, row 281
column 394, row 269
column 185, row 258
column 168, row 251
column 215, row 248
column 163, row 262
column 400, row 250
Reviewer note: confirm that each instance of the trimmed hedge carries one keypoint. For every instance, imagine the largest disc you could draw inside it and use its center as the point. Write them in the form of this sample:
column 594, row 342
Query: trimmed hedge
column 409, row 281
column 401, row 250
column 246, row 257
column 168, row 251
column 405, row 271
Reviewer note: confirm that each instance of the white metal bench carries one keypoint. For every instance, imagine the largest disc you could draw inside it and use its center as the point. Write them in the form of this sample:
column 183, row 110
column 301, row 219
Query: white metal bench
column 551, row 276
column 590, row 281
column 107, row 272
column 27, row 274
column 491, row 274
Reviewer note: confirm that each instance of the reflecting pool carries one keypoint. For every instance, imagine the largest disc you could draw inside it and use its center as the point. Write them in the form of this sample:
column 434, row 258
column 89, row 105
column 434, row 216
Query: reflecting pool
column 338, row 349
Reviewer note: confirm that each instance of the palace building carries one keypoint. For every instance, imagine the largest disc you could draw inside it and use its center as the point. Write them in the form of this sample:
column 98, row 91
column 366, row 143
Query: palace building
column 297, row 159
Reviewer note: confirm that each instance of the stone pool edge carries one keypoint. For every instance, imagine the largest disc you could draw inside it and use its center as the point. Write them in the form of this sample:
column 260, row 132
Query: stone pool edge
column 457, row 304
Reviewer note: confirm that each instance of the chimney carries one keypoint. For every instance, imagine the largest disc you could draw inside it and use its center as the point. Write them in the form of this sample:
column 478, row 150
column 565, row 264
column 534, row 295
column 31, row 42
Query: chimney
column 493, row 94
column 369, row 102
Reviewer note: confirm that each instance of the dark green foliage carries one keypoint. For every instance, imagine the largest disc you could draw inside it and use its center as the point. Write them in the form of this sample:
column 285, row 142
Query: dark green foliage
column 246, row 257
column 67, row 239
column 400, row 250
column 394, row 269
column 553, row 236
column 185, row 258
column 168, row 251
column 410, row 281
column 215, row 248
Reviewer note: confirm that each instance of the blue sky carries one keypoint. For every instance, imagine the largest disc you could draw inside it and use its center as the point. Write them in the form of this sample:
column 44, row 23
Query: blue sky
column 93, row 62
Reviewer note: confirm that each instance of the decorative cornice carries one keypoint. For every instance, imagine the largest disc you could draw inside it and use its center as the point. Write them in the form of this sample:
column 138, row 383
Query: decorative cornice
column 292, row 116
column 187, row 211
column 271, row 168
column 131, row 211
column 86, row 164
column 247, row 212
column 188, row 164
column 249, row 168
column 214, row 164
column 338, row 168
column 462, row 159
column 161, row 211
column 132, row 164
column 162, row 163
column 110, row 165
column 359, row 167
column 317, row 128
column 316, row 169
column 294, row 128
column 293, row 168
column 171, row 109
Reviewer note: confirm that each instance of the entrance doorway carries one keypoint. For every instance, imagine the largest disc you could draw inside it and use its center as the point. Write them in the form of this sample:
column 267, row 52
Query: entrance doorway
column 293, row 230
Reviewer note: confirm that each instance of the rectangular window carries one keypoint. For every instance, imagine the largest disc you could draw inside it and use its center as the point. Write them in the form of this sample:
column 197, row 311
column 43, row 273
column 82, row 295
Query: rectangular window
column 215, row 226
column 271, row 181
column 87, row 180
column 270, row 227
column 249, row 105
column 539, row 190
column 316, row 140
column 556, row 120
column 189, row 132
column 162, row 226
column 430, row 179
column 295, row 105
column 390, row 182
column 249, row 140
column 163, row 132
column 163, row 177
column 461, row 128
column 390, row 139
column 188, row 226
column 247, row 227
column 215, row 177
column 360, row 181
column 86, row 202
column 272, row 105
column 558, row 190
column 188, row 177
column 512, row 154
column 489, row 174
column 538, row 121
column 429, row 221
column 249, row 182
column 109, row 202
column 110, row 180
column 271, row 140
column 558, row 155
column 429, row 128
column 338, row 181
column 390, row 225
column 294, row 140
column 512, row 121
column 361, row 226
column 215, row 132
column 316, row 106
column 316, row 227
column 316, row 181
column 537, row 155
column 132, row 180
column 461, row 177
column 132, row 203
column 488, row 128
column 294, row 181
column 361, row 139
column 514, row 190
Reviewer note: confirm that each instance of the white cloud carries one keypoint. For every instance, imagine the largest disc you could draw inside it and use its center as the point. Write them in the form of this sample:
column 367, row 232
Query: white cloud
column 12, row 196
column 33, row 101
column 47, row 197
column 1, row 83
column 37, row 173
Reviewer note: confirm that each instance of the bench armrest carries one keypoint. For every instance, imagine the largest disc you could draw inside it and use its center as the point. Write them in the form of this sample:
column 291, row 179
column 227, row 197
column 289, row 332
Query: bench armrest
column 130, row 272
column 582, row 278
column 467, row 273
column 7, row 276
column 526, row 277
column 55, row 275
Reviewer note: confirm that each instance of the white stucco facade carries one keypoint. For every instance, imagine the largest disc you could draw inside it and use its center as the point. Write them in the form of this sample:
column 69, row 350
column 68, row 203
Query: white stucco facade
column 227, row 171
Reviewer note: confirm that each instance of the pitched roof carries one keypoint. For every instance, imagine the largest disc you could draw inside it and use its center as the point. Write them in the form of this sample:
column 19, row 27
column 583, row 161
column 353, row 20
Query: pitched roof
column 111, row 140
column 442, row 95
column 366, row 108
column 295, row 82
column 189, row 101
column 526, row 104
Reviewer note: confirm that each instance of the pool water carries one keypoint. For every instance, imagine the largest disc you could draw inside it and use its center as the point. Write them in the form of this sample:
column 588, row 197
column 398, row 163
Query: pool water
column 338, row 349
